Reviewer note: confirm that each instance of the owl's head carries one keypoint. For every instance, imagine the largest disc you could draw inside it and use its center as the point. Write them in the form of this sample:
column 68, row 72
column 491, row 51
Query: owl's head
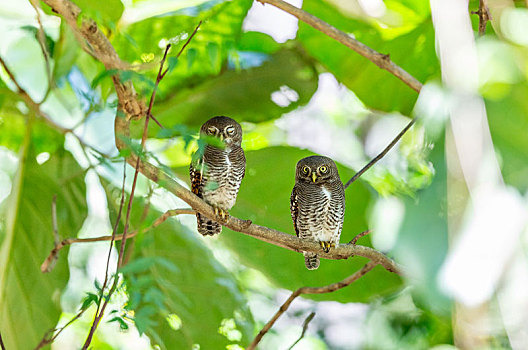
column 224, row 128
column 316, row 169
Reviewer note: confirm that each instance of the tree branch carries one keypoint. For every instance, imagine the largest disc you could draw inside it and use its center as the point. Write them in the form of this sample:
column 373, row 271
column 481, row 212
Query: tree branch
column 310, row 290
column 304, row 329
column 129, row 107
column 381, row 154
column 98, row 315
column 358, row 236
column 379, row 59
column 484, row 16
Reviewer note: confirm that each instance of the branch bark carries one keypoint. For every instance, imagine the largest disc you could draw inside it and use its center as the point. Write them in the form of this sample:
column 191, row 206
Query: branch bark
column 379, row 59
column 484, row 16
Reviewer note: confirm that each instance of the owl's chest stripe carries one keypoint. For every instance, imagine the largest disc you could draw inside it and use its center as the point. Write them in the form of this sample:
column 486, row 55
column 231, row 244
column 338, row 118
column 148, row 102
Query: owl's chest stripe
column 321, row 212
column 222, row 178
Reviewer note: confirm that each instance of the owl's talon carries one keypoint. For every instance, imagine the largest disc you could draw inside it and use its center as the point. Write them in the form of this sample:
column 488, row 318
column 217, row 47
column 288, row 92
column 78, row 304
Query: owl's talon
column 326, row 246
column 221, row 215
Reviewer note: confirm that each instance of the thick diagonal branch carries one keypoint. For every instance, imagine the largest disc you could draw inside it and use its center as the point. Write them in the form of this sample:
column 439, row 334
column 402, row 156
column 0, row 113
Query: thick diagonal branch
column 381, row 60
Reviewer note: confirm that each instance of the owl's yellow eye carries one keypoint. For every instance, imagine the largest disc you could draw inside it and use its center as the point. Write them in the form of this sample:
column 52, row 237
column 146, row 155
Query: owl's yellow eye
column 230, row 130
column 323, row 169
column 211, row 130
column 305, row 169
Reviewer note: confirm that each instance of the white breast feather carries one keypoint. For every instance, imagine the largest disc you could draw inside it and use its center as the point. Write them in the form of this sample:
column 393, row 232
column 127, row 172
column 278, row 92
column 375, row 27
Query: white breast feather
column 327, row 194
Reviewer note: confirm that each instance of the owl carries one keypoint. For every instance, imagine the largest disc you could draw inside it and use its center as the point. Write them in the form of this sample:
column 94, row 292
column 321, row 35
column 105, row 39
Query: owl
column 317, row 204
column 217, row 171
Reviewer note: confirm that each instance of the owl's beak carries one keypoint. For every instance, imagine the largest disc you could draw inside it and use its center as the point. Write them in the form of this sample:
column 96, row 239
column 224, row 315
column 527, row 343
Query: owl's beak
column 314, row 177
column 222, row 137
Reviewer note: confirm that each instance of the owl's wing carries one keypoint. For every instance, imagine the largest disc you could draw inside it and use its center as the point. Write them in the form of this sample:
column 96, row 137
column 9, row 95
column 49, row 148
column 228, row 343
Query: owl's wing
column 294, row 209
column 196, row 173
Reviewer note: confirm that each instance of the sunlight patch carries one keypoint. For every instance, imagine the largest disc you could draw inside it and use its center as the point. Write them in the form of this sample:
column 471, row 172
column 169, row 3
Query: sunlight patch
column 174, row 321
column 42, row 158
column 228, row 329
column 284, row 96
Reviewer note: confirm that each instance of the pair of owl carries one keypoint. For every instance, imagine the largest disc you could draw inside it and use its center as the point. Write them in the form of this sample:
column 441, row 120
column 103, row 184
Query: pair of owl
column 317, row 202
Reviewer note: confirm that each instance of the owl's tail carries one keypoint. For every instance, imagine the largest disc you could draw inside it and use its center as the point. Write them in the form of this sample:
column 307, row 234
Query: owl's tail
column 311, row 261
column 207, row 227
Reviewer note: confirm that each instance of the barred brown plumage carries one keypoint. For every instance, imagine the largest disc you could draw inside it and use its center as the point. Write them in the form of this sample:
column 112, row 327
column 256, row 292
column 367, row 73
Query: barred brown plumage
column 216, row 174
column 317, row 204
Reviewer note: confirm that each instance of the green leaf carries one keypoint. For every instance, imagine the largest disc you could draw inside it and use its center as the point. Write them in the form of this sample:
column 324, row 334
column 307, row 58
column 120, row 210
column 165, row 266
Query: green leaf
column 65, row 53
column 213, row 52
column 259, row 42
column 243, row 95
column 264, row 198
column 221, row 26
column 27, row 296
column 122, row 324
column 11, row 122
column 102, row 75
column 107, row 11
column 412, row 50
column 90, row 299
column 181, row 281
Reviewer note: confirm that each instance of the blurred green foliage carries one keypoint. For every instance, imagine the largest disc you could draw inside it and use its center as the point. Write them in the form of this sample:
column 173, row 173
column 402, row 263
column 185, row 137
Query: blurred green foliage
column 27, row 296
column 183, row 289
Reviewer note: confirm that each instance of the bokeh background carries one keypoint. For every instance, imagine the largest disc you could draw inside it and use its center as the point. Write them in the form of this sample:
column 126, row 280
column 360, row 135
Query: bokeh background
column 448, row 202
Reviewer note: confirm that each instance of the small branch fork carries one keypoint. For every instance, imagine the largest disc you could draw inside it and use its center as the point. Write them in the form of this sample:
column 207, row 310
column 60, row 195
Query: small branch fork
column 304, row 329
column 358, row 236
column 310, row 290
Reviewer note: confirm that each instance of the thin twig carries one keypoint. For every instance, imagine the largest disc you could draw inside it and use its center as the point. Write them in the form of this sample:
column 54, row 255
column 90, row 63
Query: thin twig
column 310, row 290
column 121, row 255
column 66, row 242
column 98, row 315
column 46, row 340
column 381, row 60
column 382, row 153
column 153, row 96
column 41, row 38
column 304, row 329
column 167, row 69
column 142, row 219
column 358, row 236
column 184, row 46
column 484, row 16
column 56, row 238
